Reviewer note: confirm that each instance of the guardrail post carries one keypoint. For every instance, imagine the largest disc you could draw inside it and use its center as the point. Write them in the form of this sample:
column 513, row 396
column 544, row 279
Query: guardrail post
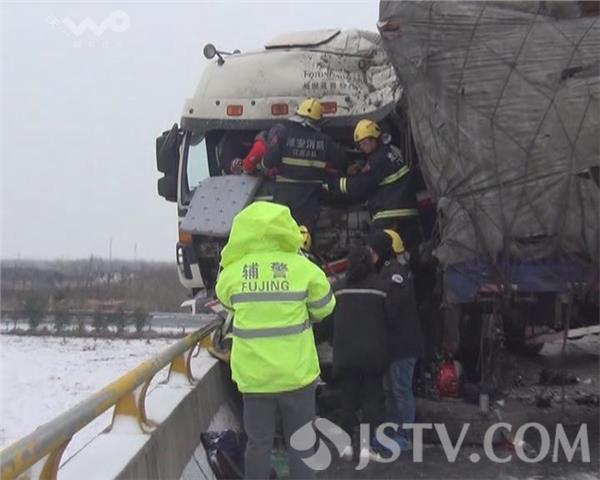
column 46, row 468
column 129, row 406
column 180, row 367
column 50, row 469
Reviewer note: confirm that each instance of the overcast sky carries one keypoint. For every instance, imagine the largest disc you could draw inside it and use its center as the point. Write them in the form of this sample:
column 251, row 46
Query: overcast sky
column 81, row 110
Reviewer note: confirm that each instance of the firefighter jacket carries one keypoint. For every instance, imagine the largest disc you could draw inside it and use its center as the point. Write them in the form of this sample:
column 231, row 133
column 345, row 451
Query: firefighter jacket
column 274, row 294
column 360, row 325
column 301, row 155
column 386, row 184
column 405, row 339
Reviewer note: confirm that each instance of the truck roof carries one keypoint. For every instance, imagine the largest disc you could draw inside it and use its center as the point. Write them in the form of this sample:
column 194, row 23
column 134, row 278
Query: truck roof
column 348, row 70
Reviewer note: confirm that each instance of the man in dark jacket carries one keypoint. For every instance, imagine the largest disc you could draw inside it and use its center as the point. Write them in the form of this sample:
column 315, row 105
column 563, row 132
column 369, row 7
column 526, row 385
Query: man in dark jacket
column 385, row 182
column 404, row 340
column 301, row 152
column 360, row 335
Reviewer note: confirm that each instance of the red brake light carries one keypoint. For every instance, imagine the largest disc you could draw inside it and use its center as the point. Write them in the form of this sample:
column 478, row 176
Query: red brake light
column 279, row 109
column 235, row 110
column 329, row 107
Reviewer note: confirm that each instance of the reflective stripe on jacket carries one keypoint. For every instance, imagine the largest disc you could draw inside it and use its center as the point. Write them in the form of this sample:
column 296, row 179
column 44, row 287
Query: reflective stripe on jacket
column 301, row 153
column 274, row 294
column 387, row 185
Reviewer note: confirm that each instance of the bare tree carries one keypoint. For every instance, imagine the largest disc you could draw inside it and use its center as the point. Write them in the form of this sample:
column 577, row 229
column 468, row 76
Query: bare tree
column 34, row 308
column 140, row 317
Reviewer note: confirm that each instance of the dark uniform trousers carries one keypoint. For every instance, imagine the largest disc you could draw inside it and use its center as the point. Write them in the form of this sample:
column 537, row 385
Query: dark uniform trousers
column 302, row 200
column 364, row 391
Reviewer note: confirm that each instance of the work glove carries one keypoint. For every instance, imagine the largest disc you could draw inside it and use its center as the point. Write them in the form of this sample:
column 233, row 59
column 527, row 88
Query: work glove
column 236, row 166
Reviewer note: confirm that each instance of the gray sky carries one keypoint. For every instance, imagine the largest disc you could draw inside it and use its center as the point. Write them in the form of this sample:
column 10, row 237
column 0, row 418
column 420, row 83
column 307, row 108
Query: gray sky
column 80, row 113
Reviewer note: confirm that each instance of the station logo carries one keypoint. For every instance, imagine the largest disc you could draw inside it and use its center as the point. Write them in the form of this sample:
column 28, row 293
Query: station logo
column 561, row 449
column 305, row 438
column 91, row 33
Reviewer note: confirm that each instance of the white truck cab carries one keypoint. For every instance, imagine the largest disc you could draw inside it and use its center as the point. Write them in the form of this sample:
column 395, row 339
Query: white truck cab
column 347, row 71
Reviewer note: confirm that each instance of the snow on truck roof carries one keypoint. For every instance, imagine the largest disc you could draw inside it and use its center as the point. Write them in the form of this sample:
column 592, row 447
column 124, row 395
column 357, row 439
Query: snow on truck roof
column 348, row 70
column 302, row 39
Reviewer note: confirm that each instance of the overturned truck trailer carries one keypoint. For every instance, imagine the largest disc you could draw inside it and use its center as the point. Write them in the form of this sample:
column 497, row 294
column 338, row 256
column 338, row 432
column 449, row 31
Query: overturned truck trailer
column 504, row 107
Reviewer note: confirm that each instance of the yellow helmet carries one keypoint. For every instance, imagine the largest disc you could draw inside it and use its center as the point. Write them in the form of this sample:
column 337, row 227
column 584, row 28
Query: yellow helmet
column 397, row 243
column 311, row 108
column 366, row 129
column 306, row 238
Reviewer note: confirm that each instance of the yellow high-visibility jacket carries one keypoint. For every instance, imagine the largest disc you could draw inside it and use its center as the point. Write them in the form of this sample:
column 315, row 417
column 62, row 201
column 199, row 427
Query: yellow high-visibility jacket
column 274, row 294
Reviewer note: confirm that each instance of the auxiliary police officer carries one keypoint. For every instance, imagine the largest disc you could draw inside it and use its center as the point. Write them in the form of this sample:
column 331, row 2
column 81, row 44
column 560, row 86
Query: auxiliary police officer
column 274, row 294
column 301, row 153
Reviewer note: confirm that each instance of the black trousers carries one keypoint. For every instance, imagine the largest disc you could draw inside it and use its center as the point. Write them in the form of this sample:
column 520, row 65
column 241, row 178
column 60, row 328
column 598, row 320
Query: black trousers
column 302, row 200
column 361, row 391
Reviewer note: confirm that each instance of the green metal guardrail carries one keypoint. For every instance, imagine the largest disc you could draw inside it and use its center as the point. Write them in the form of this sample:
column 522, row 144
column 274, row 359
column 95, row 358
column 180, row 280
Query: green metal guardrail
column 50, row 440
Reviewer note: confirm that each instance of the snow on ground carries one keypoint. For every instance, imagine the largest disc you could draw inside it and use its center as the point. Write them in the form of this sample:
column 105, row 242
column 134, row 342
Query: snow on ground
column 41, row 377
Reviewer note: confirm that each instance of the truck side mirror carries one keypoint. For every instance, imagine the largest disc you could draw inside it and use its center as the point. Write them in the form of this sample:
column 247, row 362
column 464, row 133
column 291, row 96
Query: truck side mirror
column 167, row 188
column 167, row 162
column 167, row 151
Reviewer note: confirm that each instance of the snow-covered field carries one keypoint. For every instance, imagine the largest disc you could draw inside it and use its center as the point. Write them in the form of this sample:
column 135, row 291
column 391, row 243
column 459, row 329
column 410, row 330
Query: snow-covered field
column 42, row 377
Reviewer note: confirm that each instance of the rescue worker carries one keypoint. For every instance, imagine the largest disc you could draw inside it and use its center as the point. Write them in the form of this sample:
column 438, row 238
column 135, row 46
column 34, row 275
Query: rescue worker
column 405, row 342
column 274, row 294
column 301, row 153
column 385, row 182
column 360, row 354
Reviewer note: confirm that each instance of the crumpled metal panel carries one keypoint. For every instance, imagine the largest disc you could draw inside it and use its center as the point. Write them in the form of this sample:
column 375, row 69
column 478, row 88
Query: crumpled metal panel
column 216, row 201
column 351, row 69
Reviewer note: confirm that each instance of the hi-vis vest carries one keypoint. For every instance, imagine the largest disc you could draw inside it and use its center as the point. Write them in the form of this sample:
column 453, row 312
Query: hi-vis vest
column 274, row 297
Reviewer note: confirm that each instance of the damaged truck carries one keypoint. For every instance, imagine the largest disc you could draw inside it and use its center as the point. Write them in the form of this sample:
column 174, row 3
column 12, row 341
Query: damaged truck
column 494, row 104
column 503, row 102
column 241, row 94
